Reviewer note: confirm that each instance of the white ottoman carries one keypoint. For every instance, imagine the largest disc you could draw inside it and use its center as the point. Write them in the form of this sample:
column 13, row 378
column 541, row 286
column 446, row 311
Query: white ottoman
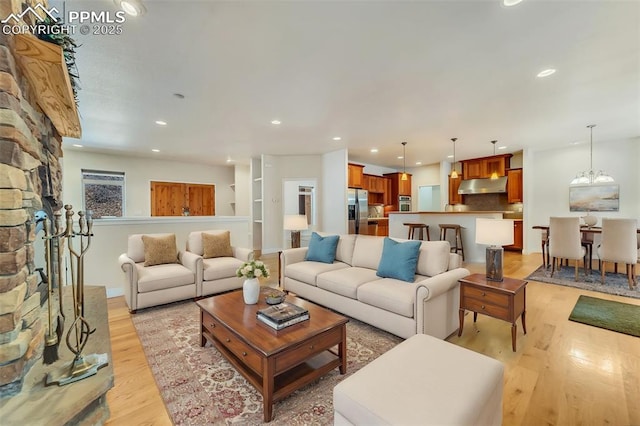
column 422, row 381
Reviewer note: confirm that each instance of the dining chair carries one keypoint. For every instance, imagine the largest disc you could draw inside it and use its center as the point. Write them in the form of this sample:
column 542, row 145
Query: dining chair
column 565, row 242
column 620, row 245
column 544, row 237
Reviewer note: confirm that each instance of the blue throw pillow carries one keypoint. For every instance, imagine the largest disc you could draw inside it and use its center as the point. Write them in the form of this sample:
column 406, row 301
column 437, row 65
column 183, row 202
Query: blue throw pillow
column 399, row 260
column 322, row 249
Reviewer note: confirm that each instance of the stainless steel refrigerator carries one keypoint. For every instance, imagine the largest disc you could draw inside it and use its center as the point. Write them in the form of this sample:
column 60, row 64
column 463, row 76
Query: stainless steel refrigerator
column 358, row 211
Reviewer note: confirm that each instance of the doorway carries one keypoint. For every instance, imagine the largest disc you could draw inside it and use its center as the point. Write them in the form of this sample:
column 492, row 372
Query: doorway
column 429, row 198
column 299, row 198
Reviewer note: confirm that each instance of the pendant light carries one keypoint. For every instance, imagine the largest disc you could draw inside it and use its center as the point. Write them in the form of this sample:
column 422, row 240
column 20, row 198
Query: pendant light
column 404, row 162
column 590, row 176
column 494, row 174
column 454, row 173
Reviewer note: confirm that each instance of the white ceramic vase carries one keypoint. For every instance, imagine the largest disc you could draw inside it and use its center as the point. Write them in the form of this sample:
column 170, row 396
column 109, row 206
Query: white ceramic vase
column 251, row 291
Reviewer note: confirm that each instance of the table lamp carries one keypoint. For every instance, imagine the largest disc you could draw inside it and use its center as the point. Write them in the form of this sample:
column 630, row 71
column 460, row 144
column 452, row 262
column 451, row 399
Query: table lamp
column 295, row 223
column 495, row 233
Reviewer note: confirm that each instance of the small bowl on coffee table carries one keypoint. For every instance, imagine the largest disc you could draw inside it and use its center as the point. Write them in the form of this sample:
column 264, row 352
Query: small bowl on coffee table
column 273, row 297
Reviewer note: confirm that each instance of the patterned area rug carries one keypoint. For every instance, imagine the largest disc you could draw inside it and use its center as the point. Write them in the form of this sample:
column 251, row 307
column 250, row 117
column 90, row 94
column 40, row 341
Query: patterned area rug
column 614, row 283
column 200, row 387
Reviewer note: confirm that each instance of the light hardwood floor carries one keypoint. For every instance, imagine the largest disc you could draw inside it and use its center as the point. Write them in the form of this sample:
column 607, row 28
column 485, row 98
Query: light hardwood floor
column 563, row 373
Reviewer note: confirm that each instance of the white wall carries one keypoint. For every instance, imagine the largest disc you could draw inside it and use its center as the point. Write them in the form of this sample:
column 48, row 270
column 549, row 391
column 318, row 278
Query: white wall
column 333, row 194
column 242, row 179
column 548, row 173
column 139, row 172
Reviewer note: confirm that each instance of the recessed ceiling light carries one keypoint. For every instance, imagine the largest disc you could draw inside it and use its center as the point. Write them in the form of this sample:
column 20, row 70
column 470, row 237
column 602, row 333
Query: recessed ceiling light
column 546, row 73
column 337, row 138
column 509, row 3
column 161, row 123
column 418, row 163
column 77, row 145
column 374, row 150
column 131, row 7
column 400, row 157
column 275, row 122
column 155, row 150
column 502, row 147
column 449, row 156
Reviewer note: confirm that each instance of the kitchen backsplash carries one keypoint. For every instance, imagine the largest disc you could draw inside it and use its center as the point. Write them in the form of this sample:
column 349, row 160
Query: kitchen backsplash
column 490, row 202
column 376, row 211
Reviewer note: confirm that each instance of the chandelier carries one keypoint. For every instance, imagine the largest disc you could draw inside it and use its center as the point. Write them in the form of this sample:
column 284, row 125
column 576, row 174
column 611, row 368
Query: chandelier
column 590, row 176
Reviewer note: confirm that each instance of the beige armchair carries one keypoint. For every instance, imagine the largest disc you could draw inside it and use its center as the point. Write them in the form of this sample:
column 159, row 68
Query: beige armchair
column 565, row 242
column 619, row 244
column 215, row 269
column 162, row 281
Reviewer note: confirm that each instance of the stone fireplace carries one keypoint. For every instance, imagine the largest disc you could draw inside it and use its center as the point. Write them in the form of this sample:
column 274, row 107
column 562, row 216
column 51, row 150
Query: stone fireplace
column 30, row 180
column 36, row 110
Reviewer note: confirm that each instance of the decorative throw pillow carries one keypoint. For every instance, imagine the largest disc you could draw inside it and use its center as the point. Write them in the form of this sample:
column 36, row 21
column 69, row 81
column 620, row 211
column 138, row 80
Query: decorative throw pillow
column 399, row 260
column 322, row 249
column 216, row 245
column 159, row 250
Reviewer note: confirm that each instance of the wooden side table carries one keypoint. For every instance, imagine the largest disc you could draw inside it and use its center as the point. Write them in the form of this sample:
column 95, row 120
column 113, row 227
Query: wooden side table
column 505, row 300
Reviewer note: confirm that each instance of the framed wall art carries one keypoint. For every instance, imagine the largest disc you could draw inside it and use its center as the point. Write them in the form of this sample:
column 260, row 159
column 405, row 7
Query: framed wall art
column 595, row 198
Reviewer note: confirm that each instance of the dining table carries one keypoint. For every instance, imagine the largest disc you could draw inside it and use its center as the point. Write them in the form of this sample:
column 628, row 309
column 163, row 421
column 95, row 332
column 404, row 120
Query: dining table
column 587, row 232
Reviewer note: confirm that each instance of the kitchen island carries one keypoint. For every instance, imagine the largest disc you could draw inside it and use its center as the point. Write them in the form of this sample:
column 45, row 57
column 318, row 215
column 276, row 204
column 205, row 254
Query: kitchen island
column 467, row 220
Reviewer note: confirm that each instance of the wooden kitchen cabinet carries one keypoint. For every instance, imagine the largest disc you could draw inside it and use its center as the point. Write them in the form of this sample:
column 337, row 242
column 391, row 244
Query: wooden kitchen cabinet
column 518, row 239
column 377, row 188
column 482, row 168
column 374, row 183
column 514, row 186
column 398, row 187
column 356, row 175
column 472, row 169
column 494, row 164
column 388, row 193
column 383, row 228
column 454, row 197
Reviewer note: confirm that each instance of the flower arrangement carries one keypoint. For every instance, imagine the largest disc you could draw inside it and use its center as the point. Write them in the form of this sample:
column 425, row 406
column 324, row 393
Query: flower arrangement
column 253, row 269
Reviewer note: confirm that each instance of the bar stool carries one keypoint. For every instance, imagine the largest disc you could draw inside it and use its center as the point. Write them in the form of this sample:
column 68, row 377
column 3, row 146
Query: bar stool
column 457, row 237
column 420, row 228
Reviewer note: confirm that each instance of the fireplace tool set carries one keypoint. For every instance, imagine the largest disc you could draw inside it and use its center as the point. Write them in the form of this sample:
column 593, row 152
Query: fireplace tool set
column 81, row 366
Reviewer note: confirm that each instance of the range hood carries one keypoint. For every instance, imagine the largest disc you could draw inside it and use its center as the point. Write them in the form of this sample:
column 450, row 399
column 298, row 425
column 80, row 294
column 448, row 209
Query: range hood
column 483, row 186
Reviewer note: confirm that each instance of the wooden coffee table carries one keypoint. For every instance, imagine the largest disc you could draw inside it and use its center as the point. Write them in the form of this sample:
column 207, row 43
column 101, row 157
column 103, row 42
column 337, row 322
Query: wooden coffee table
column 276, row 363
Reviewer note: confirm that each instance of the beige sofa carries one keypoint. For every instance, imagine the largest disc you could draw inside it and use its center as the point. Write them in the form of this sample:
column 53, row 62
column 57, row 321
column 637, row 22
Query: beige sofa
column 350, row 285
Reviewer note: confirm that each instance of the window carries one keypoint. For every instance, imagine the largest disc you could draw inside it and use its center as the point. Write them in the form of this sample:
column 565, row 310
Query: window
column 103, row 193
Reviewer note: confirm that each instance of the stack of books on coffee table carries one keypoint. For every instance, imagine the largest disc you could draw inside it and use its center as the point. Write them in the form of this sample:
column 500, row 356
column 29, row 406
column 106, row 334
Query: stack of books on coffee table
column 282, row 315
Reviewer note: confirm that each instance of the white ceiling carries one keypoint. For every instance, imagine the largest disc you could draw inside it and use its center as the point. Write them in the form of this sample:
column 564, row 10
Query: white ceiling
column 373, row 72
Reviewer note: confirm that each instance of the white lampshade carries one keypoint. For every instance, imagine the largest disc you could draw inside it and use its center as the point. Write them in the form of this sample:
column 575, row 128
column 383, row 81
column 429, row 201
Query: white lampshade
column 494, row 232
column 295, row 222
